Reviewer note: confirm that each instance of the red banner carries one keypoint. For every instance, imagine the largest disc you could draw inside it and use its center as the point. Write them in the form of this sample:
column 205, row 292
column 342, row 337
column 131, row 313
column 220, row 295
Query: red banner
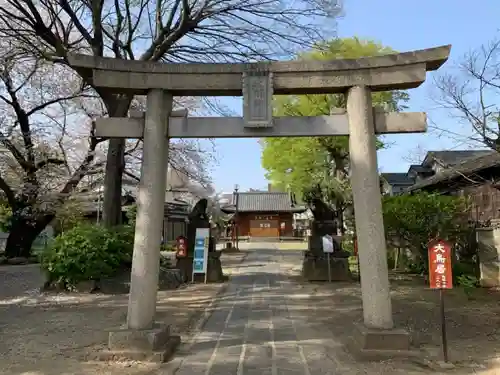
column 440, row 271
column 181, row 247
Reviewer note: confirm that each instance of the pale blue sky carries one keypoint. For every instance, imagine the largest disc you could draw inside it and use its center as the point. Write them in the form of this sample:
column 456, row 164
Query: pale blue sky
column 404, row 26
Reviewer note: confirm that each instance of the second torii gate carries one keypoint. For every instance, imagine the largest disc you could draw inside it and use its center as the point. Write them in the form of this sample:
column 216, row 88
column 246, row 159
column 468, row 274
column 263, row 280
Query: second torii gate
column 258, row 82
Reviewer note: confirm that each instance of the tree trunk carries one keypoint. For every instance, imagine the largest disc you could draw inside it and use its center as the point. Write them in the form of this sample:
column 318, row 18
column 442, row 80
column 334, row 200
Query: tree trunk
column 115, row 165
column 22, row 235
column 117, row 106
column 397, row 255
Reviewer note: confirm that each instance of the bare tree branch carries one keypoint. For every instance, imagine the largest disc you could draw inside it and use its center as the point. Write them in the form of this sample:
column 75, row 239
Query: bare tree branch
column 470, row 94
column 162, row 30
column 9, row 193
column 416, row 155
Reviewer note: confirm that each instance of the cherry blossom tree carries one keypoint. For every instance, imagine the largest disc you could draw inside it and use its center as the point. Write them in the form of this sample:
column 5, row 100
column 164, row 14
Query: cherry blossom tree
column 162, row 30
column 47, row 142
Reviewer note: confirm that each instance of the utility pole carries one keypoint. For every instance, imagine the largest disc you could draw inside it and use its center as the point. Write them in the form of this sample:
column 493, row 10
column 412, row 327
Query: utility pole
column 236, row 218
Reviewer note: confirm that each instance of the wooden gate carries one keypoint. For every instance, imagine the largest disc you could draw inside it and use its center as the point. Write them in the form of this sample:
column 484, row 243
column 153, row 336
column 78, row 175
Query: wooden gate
column 264, row 228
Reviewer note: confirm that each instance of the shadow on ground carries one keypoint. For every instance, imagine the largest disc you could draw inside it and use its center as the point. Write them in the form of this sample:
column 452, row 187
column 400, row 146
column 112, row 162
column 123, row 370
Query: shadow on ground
column 48, row 335
column 52, row 333
column 332, row 309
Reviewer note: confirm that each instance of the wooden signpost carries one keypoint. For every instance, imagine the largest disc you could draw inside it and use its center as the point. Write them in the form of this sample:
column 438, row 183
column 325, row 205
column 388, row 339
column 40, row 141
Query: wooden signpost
column 441, row 278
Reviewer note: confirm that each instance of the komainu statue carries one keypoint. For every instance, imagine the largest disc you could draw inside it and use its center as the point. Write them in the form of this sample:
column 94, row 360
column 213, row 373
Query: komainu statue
column 198, row 218
column 315, row 264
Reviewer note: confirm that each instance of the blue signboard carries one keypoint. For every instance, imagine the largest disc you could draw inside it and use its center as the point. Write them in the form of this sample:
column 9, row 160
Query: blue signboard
column 201, row 250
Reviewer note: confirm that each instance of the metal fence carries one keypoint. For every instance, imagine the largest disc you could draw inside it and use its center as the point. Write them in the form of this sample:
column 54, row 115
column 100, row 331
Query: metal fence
column 3, row 240
column 39, row 244
column 173, row 229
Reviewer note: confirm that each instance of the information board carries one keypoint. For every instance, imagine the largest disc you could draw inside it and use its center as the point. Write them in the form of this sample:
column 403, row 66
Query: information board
column 327, row 244
column 200, row 259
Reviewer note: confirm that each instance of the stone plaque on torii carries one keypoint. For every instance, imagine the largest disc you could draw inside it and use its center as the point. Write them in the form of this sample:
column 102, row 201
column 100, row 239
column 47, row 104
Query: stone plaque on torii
column 257, row 83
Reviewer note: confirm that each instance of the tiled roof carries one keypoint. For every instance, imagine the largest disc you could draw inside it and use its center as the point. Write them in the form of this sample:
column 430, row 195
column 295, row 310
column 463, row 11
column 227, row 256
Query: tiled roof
column 264, row 202
column 226, row 199
column 452, row 157
column 419, row 168
column 466, row 168
column 397, row 179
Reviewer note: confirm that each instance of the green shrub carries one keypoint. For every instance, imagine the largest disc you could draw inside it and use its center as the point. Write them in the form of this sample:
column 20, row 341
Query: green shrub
column 86, row 252
column 169, row 247
column 124, row 236
column 131, row 215
column 69, row 215
column 464, row 275
column 415, row 219
column 5, row 217
column 468, row 283
column 416, row 267
column 463, row 269
column 348, row 243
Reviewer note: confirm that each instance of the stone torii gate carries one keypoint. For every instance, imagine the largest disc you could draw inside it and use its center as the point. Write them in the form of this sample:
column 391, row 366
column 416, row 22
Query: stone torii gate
column 257, row 82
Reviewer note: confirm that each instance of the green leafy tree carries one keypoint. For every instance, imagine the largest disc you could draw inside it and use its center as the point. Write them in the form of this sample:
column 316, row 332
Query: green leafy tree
column 318, row 166
column 69, row 215
column 416, row 219
column 5, row 217
column 131, row 215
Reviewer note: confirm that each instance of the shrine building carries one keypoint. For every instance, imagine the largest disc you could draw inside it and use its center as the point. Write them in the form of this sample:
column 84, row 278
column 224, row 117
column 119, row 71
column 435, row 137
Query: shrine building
column 263, row 214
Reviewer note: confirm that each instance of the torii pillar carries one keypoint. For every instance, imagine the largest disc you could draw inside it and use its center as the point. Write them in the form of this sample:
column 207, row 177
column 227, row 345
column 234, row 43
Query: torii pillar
column 149, row 220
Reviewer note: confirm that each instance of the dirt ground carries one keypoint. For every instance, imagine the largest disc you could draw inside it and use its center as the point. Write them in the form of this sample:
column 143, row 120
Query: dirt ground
column 51, row 334
column 473, row 324
column 45, row 334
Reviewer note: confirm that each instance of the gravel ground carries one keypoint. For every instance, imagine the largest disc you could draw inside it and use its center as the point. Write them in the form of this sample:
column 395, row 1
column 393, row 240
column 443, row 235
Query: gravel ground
column 251, row 331
column 47, row 334
column 473, row 324
column 50, row 334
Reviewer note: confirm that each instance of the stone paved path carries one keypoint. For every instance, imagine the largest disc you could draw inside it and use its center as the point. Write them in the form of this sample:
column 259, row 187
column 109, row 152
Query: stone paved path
column 259, row 328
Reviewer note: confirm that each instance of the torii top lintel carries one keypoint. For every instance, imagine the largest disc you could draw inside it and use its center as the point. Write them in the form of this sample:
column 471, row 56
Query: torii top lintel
column 380, row 73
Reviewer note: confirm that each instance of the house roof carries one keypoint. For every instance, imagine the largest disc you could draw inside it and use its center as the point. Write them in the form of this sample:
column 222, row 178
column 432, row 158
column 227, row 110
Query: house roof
column 174, row 208
column 465, row 168
column 452, row 157
column 263, row 202
column 419, row 168
column 226, row 199
column 397, row 178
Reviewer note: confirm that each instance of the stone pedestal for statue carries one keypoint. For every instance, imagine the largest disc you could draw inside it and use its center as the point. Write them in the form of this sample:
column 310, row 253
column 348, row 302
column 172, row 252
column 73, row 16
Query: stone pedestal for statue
column 198, row 218
column 315, row 264
column 214, row 266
